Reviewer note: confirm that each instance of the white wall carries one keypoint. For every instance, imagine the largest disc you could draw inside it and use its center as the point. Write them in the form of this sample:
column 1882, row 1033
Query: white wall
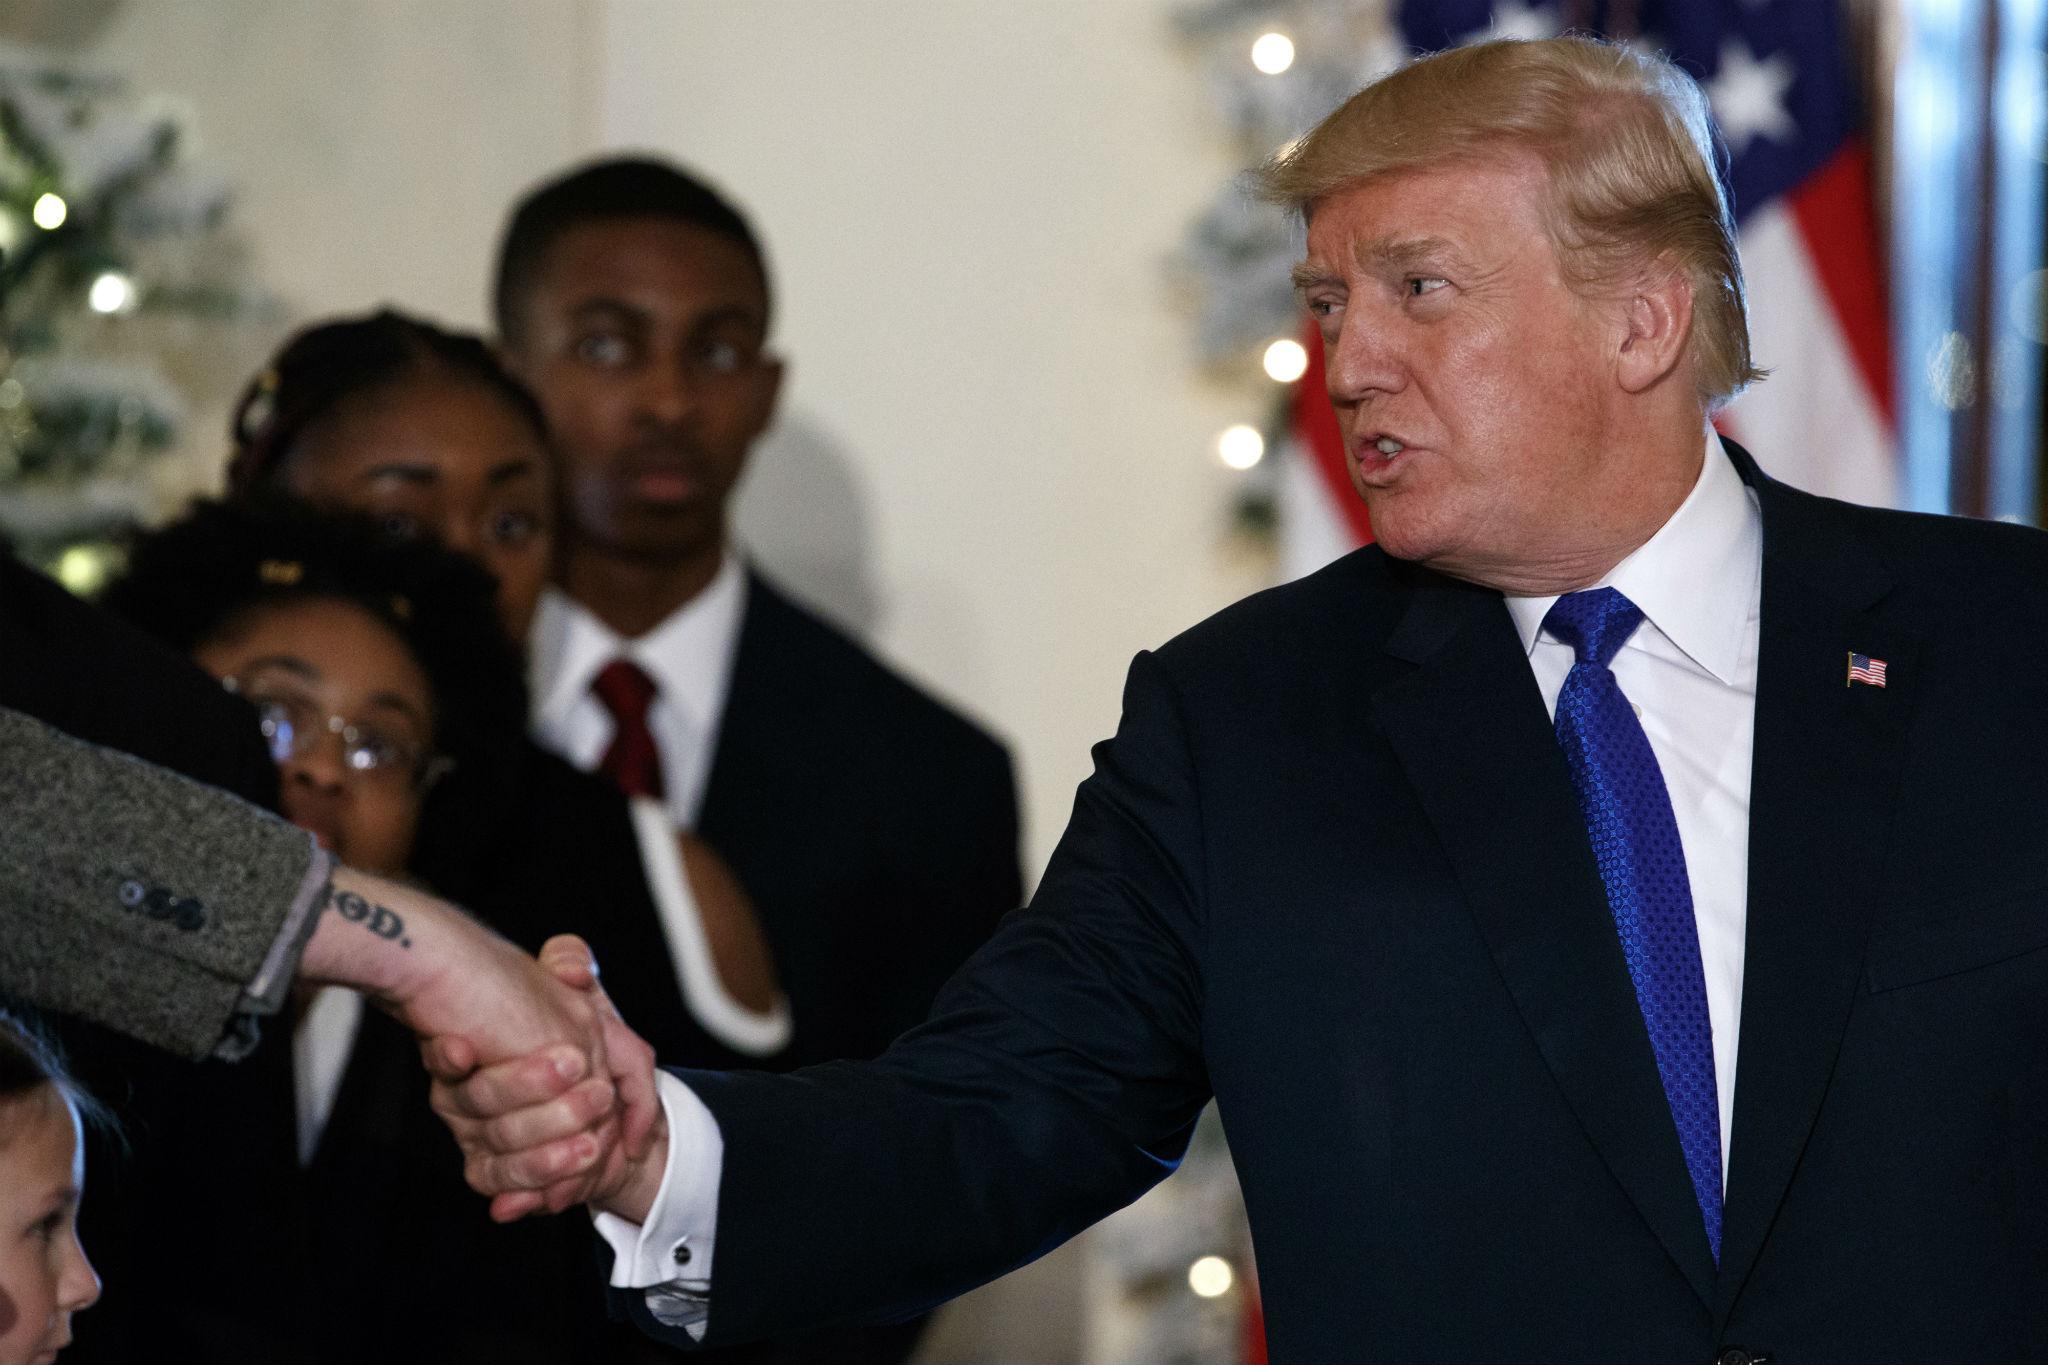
column 373, row 144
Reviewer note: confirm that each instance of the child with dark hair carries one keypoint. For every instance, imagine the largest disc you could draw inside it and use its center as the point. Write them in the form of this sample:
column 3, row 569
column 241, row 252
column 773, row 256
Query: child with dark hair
column 330, row 628
column 44, row 1275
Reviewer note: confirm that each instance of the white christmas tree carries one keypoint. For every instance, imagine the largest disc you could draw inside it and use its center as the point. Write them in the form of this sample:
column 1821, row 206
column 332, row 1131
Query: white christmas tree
column 120, row 293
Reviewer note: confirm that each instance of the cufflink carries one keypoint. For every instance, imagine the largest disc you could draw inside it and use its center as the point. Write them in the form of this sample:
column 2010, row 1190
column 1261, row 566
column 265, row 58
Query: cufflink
column 681, row 1254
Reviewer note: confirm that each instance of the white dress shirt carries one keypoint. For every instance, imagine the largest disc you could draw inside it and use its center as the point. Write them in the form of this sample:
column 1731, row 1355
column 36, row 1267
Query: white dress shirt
column 322, row 1044
column 1690, row 672
column 690, row 656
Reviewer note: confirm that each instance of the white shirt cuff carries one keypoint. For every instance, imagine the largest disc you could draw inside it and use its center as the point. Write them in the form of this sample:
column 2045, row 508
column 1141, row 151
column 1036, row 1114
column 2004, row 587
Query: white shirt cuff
column 669, row 1256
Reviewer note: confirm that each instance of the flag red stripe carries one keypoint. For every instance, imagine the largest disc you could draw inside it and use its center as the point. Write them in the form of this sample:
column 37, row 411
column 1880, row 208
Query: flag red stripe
column 1315, row 427
column 1833, row 209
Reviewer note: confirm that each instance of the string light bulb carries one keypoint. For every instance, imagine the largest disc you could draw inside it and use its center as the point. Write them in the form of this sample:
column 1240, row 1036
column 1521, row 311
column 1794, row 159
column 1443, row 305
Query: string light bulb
column 1286, row 360
column 1240, row 446
column 1273, row 53
column 49, row 212
column 84, row 569
column 111, row 292
column 1211, row 1277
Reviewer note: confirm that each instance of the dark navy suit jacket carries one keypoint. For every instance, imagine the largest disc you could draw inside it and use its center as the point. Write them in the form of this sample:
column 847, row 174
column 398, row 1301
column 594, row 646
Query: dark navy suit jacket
column 1331, row 869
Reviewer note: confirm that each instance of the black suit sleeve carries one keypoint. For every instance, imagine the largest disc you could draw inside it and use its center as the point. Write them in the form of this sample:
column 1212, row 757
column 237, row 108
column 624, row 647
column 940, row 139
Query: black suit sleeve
column 1059, row 1078
column 103, row 681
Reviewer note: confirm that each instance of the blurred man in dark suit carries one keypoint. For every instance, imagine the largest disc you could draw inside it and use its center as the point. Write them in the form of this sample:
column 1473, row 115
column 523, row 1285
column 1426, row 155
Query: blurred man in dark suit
column 874, row 828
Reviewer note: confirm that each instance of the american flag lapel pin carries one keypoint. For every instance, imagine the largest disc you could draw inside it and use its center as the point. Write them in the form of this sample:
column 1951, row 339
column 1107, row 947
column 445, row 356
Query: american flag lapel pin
column 1864, row 669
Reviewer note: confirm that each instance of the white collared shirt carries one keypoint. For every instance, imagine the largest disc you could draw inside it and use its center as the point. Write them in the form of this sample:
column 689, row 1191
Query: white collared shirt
column 1690, row 672
column 689, row 656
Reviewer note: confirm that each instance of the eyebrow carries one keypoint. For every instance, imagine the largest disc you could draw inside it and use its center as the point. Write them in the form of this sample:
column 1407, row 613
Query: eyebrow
column 391, row 701
column 612, row 307
column 59, row 1202
column 605, row 303
column 424, row 473
column 1380, row 255
column 1405, row 252
column 1307, row 275
column 290, row 663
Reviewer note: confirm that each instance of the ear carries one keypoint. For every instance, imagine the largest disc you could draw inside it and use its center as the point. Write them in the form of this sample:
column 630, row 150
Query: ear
column 1656, row 325
column 768, row 375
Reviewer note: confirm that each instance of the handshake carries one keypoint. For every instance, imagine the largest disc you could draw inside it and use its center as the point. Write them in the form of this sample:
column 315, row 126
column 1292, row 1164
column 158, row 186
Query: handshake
column 549, row 1094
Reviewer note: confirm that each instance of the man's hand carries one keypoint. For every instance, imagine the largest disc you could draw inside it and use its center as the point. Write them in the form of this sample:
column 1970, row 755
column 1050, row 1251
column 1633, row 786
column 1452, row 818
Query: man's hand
column 482, row 1000
column 530, row 1138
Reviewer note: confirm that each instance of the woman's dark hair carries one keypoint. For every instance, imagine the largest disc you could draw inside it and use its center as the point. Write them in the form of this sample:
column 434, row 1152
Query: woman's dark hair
column 28, row 1060
column 325, row 365
column 198, row 578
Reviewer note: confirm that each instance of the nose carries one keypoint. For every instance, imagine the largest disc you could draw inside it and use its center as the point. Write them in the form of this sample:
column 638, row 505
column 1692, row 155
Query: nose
column 319, row 763
column 668, row 393
column 1365, row 360
column 461, row 534
column 79, row 1287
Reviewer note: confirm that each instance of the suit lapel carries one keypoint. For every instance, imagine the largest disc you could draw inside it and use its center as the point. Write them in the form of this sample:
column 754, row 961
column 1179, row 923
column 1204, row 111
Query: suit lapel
column 1470, row 731
column 1827, row 767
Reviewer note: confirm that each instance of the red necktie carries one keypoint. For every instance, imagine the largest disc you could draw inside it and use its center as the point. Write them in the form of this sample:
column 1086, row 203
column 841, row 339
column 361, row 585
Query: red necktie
column 632, row 761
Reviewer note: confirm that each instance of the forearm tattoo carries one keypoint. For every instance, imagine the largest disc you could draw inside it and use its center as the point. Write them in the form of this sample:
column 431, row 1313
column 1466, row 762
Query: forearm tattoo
column 380, row 920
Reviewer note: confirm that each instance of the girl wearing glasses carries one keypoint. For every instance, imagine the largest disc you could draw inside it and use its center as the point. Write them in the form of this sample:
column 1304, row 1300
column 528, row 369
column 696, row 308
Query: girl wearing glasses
column 327, row 1219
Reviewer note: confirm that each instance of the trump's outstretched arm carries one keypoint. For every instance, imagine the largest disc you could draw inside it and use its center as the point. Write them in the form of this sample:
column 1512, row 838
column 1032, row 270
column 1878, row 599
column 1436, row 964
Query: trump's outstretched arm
column 1059, row 1077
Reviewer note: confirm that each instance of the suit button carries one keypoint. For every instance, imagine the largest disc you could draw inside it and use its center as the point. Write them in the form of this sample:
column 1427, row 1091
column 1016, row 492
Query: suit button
column 1735, row 1355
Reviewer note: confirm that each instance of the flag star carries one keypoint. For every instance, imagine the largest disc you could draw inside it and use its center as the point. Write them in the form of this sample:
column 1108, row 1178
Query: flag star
column 1749, row 96
column 1518, row 21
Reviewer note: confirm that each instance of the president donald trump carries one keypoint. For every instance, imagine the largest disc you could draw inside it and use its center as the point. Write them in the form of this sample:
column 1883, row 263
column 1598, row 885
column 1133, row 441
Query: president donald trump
column 1611, row 913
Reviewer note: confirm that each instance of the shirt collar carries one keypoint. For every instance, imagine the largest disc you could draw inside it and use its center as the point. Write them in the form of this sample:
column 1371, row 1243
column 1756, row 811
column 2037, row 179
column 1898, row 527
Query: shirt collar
column 1696, row 579
column 688, row 654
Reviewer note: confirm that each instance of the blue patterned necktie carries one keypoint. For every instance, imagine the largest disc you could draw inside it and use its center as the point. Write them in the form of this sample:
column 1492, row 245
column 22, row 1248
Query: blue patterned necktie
column 1635, row 842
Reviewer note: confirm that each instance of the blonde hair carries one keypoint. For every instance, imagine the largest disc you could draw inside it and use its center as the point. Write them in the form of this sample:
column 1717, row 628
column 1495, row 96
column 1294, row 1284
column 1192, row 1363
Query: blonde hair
column 1623, row 136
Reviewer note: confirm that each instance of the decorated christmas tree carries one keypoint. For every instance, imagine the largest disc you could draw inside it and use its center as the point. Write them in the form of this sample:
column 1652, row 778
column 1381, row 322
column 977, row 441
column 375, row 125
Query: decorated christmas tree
column 121, row 307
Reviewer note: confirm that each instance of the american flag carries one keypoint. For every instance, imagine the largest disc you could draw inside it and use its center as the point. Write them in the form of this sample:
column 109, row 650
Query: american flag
column 1864, row 669
column 1785, row 102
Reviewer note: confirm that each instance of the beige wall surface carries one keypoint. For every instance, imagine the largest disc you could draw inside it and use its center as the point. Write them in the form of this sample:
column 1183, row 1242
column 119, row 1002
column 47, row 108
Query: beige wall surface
column 373, row 144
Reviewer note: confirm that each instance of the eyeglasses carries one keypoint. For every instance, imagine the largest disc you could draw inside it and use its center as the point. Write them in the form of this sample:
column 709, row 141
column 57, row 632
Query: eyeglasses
column 293, row 723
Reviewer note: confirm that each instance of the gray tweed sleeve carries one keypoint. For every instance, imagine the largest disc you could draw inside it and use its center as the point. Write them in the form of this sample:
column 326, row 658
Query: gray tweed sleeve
column 142, row 900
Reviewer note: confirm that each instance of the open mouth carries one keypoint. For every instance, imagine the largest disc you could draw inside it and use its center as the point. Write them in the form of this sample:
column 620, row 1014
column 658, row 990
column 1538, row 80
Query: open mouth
column 1378, row 455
